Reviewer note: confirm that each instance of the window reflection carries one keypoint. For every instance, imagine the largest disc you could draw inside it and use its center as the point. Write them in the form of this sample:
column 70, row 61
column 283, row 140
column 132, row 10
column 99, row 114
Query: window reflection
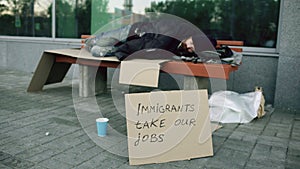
column 221, row 19
column 253, row 21
column 73, row 18
column 25, row 17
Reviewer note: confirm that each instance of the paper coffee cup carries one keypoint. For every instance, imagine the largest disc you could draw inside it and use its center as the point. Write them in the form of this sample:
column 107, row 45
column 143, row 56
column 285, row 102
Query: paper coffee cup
column 102, row 126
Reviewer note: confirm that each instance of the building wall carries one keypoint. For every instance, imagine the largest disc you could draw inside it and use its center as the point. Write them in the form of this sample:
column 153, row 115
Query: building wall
column 256, row 71
column 288, row 74
column 24, row 54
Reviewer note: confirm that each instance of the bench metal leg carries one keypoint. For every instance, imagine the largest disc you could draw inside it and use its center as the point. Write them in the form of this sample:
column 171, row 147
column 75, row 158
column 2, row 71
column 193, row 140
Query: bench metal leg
column 41, row 73
column 47, row 72
column 92, row 80
column 194, row 83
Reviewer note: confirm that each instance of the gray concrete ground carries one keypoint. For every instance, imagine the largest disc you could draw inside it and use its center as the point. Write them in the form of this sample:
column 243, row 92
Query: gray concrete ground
column 25, row 118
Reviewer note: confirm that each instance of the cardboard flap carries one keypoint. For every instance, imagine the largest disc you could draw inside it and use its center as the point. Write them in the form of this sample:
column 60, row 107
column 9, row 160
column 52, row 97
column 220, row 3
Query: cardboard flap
column 142, row 72
column 82, row 54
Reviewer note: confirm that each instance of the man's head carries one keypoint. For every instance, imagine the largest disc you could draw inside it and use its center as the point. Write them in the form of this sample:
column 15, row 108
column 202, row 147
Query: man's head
column 188, row 45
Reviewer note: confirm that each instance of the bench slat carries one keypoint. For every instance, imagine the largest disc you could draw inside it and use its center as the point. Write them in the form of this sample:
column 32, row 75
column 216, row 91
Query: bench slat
column 220, row 71
column 230, row 42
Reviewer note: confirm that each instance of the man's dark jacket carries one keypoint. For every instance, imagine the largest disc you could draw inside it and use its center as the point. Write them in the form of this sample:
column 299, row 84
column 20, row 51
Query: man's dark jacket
column 162, row 34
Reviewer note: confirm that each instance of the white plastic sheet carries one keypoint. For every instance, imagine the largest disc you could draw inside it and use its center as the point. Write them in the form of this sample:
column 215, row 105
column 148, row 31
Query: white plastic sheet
column 232, row 107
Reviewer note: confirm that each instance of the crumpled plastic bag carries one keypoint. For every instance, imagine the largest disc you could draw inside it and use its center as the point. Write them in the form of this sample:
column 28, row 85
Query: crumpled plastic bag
column 232, row 107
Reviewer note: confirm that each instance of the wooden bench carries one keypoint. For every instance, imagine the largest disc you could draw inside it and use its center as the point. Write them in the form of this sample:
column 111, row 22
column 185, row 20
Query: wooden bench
column 54, row 65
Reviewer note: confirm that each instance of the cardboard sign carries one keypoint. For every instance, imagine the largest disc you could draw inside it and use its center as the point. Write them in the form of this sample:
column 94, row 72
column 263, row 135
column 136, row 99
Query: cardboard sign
column 168, row 126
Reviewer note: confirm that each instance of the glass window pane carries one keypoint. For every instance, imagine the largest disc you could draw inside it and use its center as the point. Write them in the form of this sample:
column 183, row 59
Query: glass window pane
column 253, row 21
column 25, row 17
column 73, row 18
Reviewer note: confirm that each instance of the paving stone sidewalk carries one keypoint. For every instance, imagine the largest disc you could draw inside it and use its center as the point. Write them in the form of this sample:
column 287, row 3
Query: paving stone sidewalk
column 51, row 129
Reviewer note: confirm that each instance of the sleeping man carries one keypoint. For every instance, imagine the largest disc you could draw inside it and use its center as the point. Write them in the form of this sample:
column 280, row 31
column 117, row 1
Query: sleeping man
column 177, row 38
